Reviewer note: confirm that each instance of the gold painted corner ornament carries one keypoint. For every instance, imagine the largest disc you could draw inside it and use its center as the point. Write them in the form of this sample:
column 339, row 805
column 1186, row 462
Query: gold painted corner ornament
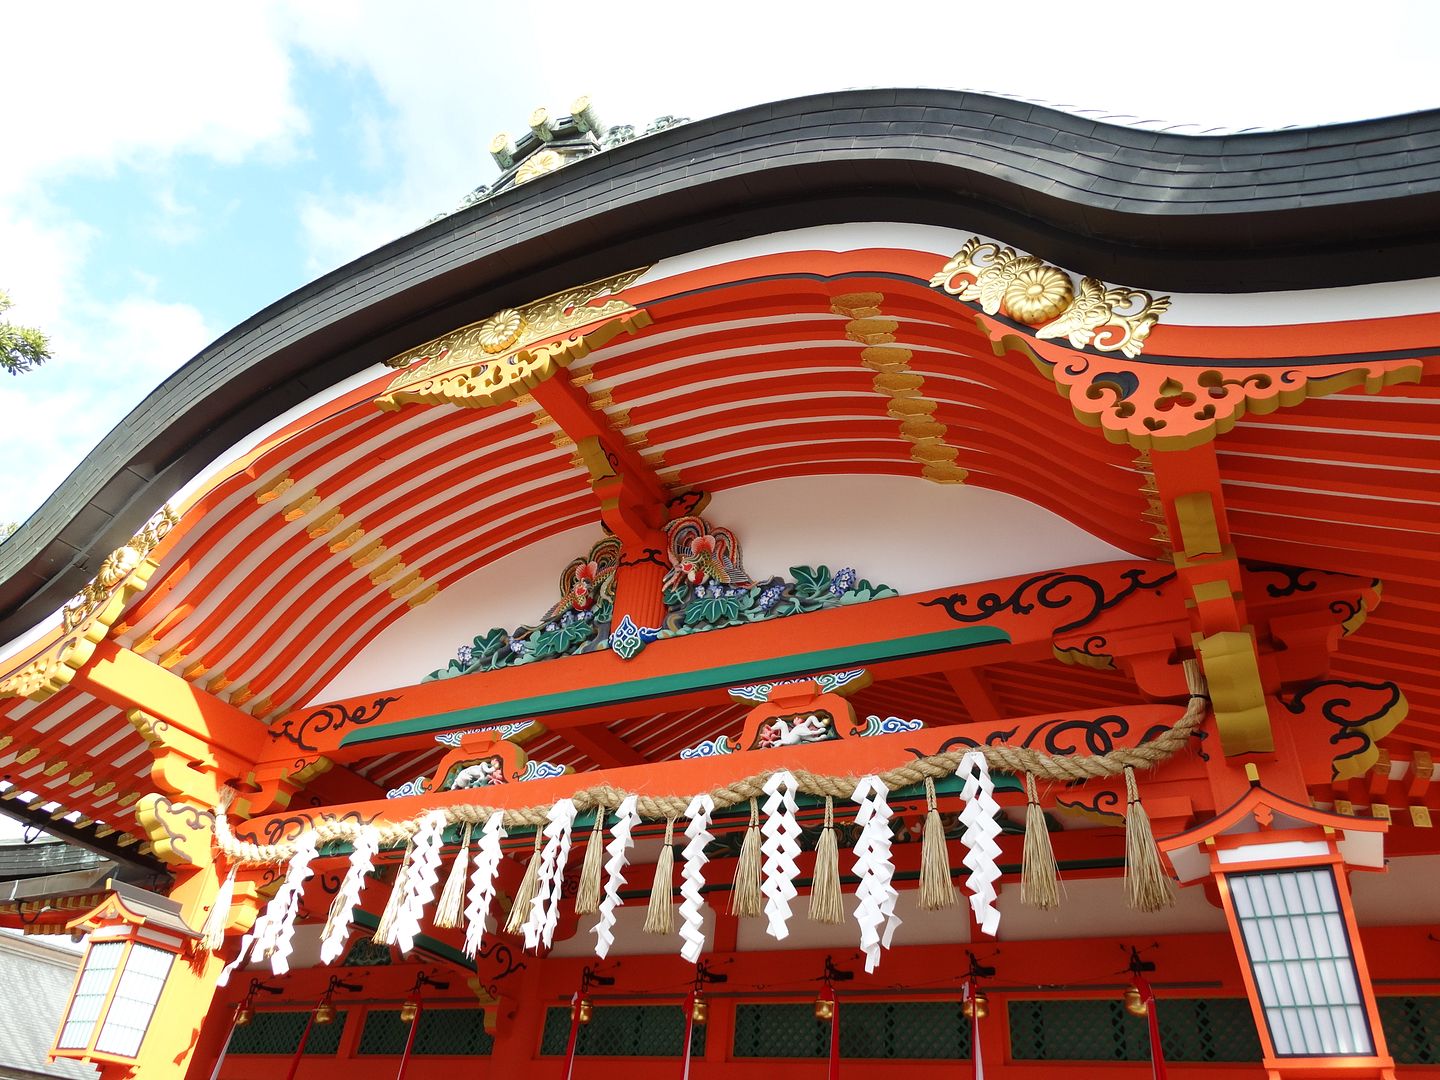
column 502, row 357
column 86, row 619
column 1033, row 292
column 118, row 565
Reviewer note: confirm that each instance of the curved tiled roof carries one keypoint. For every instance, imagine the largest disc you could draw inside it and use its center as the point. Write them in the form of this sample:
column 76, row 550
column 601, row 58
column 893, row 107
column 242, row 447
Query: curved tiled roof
column 1243, row 212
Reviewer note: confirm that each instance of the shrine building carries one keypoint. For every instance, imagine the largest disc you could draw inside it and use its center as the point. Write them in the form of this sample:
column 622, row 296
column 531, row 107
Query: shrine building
column 888, row 580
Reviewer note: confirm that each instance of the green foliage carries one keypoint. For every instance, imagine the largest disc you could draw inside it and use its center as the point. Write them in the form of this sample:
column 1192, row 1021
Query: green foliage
column 22, row 348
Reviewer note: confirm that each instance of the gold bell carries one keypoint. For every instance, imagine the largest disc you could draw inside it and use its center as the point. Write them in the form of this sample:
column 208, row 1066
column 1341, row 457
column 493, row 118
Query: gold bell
column 824, row 1009
column 584, row 1010
column 977, row 1007
column 243, row 1015
column 1135, row 1005
column 699, row 1010
column 409, row 1011
column 325, row 1013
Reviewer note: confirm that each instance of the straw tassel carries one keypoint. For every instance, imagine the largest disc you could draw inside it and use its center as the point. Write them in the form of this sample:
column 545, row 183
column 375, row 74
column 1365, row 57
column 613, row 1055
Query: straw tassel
column 450, row 911
column 1147, row 885
column 825, row 904
column 385, row 928
column 529, row 885
column 660, row 919
column 212, row 934
column 745, row 898
column 936, row 890
column 587, row 896
column 1039, row 877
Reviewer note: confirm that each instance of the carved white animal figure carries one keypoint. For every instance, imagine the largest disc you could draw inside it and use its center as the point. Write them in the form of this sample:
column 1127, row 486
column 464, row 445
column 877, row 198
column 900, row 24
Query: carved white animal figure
column 482, row 774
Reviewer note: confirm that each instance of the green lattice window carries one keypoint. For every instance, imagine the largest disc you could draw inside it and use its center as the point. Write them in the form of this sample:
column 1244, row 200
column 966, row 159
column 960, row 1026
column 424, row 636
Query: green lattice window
column 623, row 1031
column 1412, row 1028
column 1193, row 1029
column 279, row 1033
column 884, row 1030
column 449, row 1032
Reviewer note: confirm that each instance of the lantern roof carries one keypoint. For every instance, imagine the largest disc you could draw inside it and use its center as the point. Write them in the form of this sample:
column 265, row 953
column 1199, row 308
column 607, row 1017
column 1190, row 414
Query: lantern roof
column 1259, row 810
column 135, row 907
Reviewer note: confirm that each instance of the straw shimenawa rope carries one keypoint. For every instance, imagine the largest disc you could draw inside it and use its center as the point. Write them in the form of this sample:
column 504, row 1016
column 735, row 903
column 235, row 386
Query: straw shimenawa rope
column 1011, row 759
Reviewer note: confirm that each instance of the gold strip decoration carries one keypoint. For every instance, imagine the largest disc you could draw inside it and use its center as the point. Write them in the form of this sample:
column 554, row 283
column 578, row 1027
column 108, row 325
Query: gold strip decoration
column 904, row 388
column 502, row 357
column 1033, row 292
column 87, row 619
column 272, row 489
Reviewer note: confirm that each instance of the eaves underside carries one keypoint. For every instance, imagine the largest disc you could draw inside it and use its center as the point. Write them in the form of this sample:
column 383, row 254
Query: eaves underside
column 1254, row 212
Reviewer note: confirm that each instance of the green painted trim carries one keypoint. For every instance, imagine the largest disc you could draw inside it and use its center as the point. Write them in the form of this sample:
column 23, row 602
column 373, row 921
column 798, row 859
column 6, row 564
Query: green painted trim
column 422, row 941
column 872, row 652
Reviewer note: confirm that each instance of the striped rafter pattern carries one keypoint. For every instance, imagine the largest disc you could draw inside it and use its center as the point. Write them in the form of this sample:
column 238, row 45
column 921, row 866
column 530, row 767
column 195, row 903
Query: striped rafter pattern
column 283, row 569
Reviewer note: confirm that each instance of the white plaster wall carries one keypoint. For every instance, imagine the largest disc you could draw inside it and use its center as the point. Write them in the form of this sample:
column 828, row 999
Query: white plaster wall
column 1406, row 894
column 917, row 927
column 904, row 532
column 1376, row 300
column 513, row 591
column 1096, row 907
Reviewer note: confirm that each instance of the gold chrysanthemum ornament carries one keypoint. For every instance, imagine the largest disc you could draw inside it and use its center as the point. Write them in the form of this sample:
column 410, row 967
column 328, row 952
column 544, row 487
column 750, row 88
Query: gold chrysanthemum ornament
column 1037, row 293
column 500, row 331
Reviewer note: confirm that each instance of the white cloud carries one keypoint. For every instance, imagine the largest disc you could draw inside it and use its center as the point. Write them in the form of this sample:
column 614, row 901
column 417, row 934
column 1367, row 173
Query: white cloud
column 107, row 358
column 137, row 83
column 137, row 87
column 454, row 74
column 143, row 87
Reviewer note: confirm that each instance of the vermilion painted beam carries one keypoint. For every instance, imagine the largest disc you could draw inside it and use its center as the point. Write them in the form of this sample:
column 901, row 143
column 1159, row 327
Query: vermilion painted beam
column 603, row 746
column 975, row 694
column 570, row 407
column 846, row 756
column 128, row 681
column 905, row 635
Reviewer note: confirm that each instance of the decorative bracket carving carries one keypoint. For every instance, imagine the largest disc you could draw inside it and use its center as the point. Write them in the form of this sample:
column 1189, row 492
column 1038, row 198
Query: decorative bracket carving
column 511, row 352
column 86, row 620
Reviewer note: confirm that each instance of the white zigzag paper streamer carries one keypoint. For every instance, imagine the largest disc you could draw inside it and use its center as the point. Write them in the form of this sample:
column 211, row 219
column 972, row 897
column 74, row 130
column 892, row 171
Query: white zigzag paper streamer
column 981, row 829
column 780, row 846
column 875, row 895
column 539, row 928
column 420, row 881
column 482, row 882
column 276, row 939
column 362, row 863
column 692, row 877
column 626, row 818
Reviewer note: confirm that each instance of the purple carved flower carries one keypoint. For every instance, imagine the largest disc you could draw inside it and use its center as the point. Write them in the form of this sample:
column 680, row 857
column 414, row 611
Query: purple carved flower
column 464, row 654
column 769, row 597
column 843, row 581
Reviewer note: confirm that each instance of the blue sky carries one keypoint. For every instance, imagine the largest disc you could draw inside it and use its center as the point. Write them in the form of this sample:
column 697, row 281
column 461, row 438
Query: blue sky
column 175, row 167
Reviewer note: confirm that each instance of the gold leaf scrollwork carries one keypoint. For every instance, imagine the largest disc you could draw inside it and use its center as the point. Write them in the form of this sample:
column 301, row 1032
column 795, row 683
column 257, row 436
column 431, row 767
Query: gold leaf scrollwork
column 180, row 833
column 555, row 314
column 508, row 354
column 1033, row 292
column 87, row 618
column 118, row 565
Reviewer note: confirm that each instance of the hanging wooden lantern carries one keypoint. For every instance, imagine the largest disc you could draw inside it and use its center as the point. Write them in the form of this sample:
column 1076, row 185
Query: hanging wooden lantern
column 135, row 939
